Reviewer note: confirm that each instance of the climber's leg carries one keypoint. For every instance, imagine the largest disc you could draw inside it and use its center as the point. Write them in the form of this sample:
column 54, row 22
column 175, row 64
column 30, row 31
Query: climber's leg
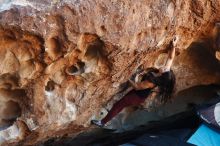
column 128, row 100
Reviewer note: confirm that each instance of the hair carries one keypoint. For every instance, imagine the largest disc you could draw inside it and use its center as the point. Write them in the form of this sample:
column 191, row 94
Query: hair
column 165, row 82
column 166, row 85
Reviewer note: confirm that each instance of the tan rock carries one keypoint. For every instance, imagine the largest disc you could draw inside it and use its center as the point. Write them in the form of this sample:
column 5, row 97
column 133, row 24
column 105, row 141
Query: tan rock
column 73, row 59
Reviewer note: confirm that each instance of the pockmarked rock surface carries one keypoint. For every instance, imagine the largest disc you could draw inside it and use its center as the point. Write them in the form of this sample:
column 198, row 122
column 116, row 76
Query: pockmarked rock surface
column 62, row 61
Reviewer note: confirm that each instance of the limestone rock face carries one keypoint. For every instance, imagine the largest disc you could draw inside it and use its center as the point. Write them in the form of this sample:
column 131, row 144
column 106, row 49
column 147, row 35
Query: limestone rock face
column 63, row 61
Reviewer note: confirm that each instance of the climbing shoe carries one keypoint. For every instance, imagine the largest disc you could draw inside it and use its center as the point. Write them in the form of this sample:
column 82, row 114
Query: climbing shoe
column 97, row 123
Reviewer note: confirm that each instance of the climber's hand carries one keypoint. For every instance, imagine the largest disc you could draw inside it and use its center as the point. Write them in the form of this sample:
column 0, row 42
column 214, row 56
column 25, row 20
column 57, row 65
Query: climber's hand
column 175, row 41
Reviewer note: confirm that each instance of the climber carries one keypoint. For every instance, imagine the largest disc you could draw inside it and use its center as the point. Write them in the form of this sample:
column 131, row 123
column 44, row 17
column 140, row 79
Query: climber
column 162, row 78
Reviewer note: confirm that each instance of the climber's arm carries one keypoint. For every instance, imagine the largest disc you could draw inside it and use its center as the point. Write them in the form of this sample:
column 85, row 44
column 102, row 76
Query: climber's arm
column 170, row 59
column 142, row 85
column 171, row 56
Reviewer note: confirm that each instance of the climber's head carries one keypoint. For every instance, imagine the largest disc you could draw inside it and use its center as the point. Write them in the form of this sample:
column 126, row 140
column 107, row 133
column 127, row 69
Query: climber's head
column 165, row 81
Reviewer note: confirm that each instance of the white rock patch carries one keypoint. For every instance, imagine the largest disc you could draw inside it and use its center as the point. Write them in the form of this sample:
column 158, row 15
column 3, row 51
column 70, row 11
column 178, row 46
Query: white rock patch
column 10, row 133
column 60, row 111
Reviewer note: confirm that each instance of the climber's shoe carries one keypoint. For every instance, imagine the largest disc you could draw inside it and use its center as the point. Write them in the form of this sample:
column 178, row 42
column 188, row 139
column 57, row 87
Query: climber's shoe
column 97, row 123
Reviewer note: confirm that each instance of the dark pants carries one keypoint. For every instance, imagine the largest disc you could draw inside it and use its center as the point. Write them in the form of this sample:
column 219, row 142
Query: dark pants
column 130, row 99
